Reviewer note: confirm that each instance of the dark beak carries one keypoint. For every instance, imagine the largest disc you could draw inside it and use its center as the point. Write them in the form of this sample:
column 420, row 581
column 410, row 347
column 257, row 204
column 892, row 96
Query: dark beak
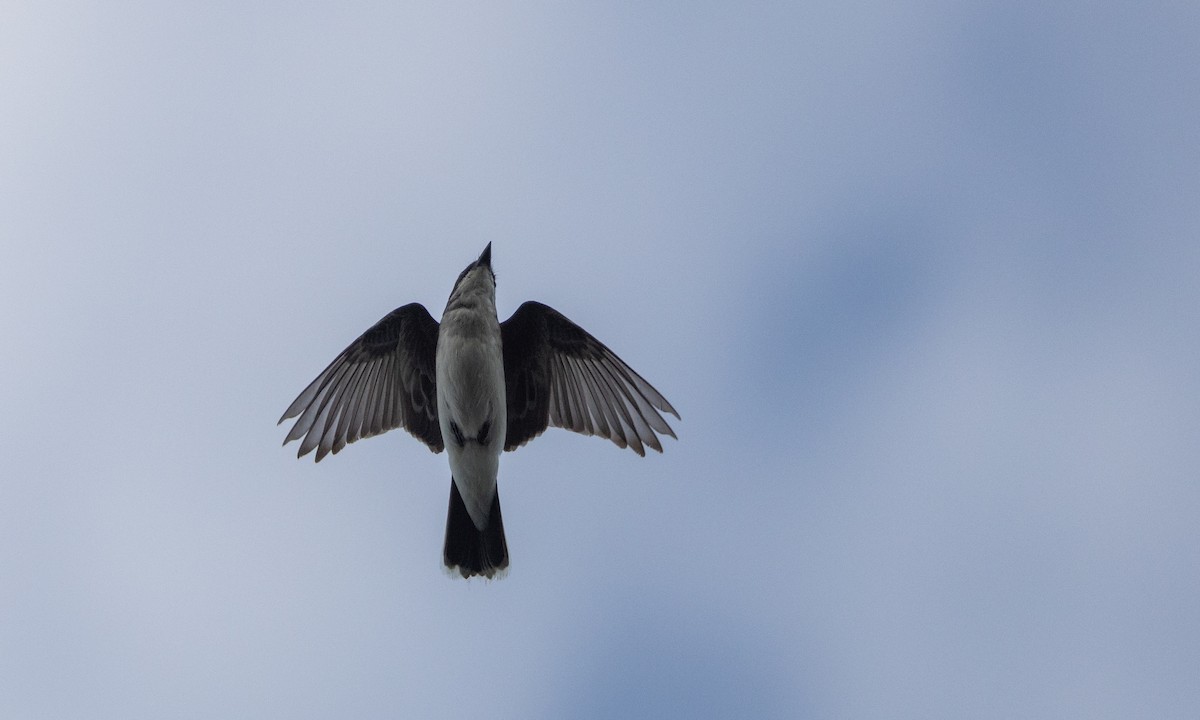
column 485, row 259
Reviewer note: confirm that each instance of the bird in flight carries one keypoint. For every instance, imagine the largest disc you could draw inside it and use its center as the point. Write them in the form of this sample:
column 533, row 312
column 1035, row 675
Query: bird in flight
column 475, row 387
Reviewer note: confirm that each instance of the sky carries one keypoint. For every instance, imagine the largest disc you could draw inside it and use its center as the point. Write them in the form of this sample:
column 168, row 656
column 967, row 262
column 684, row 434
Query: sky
column 922, row 279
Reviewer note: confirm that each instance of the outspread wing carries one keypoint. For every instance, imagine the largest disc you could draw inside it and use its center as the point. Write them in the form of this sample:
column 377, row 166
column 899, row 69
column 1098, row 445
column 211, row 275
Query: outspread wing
column 557, row 374
column 384, row 380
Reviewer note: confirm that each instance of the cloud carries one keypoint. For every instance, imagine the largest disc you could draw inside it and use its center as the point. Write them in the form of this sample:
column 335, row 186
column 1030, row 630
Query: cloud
column 918, row 278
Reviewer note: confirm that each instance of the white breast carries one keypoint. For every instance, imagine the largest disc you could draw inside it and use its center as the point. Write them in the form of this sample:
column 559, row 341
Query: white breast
column 470, row 392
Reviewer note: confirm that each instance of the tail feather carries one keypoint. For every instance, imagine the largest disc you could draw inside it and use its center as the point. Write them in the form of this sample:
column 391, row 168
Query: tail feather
column 468, row 549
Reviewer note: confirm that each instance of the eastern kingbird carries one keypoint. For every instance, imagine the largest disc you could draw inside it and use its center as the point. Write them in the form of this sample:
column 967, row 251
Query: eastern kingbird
column 475, row 387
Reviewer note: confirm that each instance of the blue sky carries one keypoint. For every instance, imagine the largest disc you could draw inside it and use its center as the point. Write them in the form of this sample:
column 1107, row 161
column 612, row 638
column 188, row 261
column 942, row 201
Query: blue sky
column 921, row 278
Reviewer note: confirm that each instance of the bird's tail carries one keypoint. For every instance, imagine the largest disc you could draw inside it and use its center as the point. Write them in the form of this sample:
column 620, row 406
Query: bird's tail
column 469, row 550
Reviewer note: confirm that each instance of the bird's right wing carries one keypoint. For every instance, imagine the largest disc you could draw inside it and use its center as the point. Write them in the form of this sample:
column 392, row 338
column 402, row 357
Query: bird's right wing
column 384, row 380
column 555, row 373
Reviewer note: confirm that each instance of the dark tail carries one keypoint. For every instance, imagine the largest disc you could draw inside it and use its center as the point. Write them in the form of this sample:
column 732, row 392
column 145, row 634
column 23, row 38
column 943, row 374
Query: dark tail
column 469, row 550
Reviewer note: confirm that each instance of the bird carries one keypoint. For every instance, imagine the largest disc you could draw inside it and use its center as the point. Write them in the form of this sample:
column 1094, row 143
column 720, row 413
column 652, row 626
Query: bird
column 476, row 387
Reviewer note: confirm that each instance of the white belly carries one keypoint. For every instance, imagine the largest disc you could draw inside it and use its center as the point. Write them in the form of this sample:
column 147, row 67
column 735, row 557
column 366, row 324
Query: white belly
column 470, row 393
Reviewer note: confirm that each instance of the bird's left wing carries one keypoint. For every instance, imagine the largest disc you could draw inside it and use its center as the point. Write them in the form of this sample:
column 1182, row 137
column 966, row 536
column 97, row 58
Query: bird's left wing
column 384, row 380
column 555, row 373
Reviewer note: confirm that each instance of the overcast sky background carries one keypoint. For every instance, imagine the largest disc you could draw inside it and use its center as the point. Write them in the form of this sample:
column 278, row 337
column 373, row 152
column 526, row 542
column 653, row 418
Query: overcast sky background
column 922, row 278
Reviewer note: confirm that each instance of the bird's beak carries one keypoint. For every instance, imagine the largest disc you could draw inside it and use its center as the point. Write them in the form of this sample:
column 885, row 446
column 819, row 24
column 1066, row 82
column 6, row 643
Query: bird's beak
column 485, row 258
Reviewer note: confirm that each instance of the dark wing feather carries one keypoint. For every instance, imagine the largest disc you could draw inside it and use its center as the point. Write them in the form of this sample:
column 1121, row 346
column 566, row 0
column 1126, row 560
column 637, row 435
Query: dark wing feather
column 384, row 380
column 557, row 374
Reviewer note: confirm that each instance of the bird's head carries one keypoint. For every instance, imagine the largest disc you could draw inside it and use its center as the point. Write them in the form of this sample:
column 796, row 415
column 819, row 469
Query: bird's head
column 476, row 281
